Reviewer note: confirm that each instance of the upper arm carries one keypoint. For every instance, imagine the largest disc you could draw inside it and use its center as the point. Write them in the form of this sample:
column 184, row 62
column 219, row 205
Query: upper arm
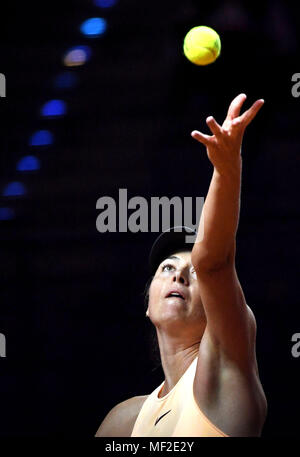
column 121, row 418
column 230, row 322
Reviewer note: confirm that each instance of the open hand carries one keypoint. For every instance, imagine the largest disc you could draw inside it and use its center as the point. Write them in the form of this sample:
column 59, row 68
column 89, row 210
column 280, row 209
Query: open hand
column 224, row 146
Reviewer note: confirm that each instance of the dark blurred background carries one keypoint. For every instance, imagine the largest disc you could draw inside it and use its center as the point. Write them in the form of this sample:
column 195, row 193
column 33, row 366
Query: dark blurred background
column 72, row 305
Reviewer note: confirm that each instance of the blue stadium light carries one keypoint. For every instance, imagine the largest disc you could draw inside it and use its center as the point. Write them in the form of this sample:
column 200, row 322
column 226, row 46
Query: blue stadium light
column 54, row 108
column 28, row 163
column 77, row 55
column 93, row 27
column 6, row 214
column 14, row 189
column 66, row 80
column 105, row 3
column 41, row 138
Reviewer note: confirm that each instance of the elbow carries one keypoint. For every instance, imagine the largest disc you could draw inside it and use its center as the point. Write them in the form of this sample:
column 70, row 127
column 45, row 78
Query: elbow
column 205, row 261
column 211, row 267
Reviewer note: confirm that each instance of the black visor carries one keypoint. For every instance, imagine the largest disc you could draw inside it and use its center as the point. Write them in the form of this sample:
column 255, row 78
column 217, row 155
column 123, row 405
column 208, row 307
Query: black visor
column 167, row 243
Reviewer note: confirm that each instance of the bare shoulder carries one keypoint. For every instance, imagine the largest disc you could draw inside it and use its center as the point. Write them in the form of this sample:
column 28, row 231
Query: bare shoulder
column 121, row 418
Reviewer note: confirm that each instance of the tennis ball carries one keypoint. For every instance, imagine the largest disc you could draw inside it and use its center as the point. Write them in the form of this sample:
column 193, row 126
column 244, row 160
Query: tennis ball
column 202, row 45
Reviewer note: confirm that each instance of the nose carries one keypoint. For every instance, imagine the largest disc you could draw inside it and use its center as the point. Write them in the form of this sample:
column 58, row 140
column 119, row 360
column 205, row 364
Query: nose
column 181, row 276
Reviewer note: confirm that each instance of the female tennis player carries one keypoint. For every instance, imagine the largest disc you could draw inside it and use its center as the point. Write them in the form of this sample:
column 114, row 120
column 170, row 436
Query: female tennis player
column 206, row 332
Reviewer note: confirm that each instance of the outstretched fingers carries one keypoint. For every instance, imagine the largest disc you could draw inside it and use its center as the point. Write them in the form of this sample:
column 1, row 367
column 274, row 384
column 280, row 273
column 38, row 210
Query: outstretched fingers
column 235, row 106
column 233, row 119
column 214, row 126
column 205, row 139
column 250, row 114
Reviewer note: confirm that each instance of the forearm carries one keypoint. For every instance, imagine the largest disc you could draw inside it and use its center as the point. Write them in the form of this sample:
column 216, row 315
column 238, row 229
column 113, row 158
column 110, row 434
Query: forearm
column 215, row 243
column 220, row 217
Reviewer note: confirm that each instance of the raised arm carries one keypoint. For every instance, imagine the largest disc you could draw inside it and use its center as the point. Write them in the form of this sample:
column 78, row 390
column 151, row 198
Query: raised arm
column 222, row 204
column 229, row 321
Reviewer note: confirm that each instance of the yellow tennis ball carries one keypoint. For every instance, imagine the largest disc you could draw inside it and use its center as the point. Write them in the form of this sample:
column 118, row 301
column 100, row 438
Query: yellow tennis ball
column 202, row 45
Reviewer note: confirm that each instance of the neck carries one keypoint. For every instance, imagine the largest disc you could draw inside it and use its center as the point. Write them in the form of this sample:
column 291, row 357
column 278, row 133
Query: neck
column 176, row 356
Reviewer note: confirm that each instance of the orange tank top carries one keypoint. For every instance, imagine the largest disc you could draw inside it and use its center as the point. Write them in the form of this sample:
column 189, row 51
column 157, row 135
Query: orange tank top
column 175, row 414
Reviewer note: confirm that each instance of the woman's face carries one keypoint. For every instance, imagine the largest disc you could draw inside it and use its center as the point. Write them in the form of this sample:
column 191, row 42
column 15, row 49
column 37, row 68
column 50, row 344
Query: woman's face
column 174, row 294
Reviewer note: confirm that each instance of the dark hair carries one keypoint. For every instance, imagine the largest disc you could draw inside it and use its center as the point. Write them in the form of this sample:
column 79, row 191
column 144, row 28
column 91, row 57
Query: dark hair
column 152, row 335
